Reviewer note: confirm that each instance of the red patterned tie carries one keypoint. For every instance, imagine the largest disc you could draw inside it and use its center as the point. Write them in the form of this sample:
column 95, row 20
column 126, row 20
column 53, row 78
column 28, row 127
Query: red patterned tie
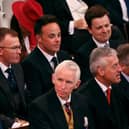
column 108, row 92
column 67, row 109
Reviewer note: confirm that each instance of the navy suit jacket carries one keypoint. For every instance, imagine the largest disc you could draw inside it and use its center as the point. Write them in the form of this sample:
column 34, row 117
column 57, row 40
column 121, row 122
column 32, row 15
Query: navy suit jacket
column 46, row 112
column 83, row 55
column 113, row 116
column 8, row 111
column 38, row 72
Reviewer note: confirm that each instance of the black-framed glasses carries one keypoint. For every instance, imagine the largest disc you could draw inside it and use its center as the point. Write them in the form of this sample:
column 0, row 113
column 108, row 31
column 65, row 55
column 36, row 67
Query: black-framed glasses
column 13, row 47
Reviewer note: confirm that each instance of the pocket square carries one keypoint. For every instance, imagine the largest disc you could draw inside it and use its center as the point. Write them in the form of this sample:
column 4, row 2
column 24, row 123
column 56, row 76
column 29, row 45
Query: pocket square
column 85, row 122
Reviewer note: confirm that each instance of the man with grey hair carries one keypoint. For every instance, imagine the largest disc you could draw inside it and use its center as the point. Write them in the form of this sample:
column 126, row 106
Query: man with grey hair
column 105, row 100
column 49, row 110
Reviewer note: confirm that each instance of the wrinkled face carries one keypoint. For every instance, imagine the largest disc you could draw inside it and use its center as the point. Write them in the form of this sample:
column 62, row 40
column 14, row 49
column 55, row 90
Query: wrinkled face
column 101, row 29
column 111, row 72
column 50, row 39
column 65, row 81
column 10, row 50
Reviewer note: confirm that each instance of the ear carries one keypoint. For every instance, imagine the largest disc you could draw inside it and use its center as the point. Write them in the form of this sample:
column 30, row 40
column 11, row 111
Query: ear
column 101, row 71
column 77, row 84
column 53, row 78
column 89, row 30
column 38, row 38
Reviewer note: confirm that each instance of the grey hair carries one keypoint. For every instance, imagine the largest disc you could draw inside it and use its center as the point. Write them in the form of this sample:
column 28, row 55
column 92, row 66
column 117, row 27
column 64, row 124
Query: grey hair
column 71, row 65
column 97, row 58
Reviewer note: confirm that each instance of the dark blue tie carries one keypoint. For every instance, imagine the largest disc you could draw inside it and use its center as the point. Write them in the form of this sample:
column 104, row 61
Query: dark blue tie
column 54, row 60
column 11, row 79
column 127, row 5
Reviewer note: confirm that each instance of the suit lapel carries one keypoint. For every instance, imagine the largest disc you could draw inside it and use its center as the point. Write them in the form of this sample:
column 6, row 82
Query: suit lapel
column 20, row 82
column 43, row 61
column 5, row 87
column 57, row 111
column 100, row 99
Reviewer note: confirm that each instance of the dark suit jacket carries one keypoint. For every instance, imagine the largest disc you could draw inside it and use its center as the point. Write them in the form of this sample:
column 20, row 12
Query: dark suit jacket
column 46, row 112
column 60, row 9
column 114, row 116
column 83, row 55
column 124, row 86
column 38, row 72
column 8, row 109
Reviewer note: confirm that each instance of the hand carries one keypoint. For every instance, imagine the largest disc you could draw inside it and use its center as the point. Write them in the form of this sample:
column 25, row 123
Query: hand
column 19, row 123
column 80, row 24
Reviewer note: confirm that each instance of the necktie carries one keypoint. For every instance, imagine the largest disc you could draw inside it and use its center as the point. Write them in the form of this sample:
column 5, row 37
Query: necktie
column 67, row 109
column 11, row 79
column 108, row 92
column 54, row 60
column 106, row 45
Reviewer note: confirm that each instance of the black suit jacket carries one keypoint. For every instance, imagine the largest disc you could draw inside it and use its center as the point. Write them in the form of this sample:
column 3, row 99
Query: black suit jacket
column 60, row 9
column 83, row 55
column 46, row 112
column 8, row 111
column 38, row 72
column 113, row 116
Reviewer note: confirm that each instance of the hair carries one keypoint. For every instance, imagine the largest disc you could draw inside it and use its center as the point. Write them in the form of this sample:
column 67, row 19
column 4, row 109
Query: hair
column 93, row 12
column 6, row 31
column 97, row 58
column 42, row 21
column 123, row 53
column 71, row 65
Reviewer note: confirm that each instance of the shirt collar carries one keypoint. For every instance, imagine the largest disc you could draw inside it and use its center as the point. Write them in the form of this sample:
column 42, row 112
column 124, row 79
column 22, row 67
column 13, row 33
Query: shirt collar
column 125, row 76
column 102, row 86
column 3, row 67
column 98, row 43
column 48, row 56
column 64, row 101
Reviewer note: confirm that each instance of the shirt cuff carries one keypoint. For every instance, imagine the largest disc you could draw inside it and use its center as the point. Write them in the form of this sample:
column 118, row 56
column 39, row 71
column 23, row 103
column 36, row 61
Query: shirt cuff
column 71, row 27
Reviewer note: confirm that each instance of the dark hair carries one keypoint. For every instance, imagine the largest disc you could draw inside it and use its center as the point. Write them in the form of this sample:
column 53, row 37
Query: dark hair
column 95, row 11
column 44, row 20
column 5, row 31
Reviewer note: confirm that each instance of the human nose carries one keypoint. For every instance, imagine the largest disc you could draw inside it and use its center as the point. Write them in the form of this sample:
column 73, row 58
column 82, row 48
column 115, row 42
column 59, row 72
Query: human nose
column 104, row 29
column 119, row 68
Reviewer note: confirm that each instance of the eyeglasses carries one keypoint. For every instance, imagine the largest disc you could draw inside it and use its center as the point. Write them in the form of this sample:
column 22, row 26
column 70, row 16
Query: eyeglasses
column 13, row 47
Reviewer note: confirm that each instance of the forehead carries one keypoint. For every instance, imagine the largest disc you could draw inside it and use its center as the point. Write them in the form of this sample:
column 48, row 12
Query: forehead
column 9, row 39
column 101, row 20
column 112, row 59
column 65, row 72
column 50, row 27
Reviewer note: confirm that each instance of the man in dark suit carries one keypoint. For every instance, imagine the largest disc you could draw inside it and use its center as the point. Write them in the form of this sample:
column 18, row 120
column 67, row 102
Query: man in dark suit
column 123, row 55
column 119, row 13
column 107, row 104
column 12, row 97
column 49, row 111
column 99, row 27
column 38, row 66
column 70, row 15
